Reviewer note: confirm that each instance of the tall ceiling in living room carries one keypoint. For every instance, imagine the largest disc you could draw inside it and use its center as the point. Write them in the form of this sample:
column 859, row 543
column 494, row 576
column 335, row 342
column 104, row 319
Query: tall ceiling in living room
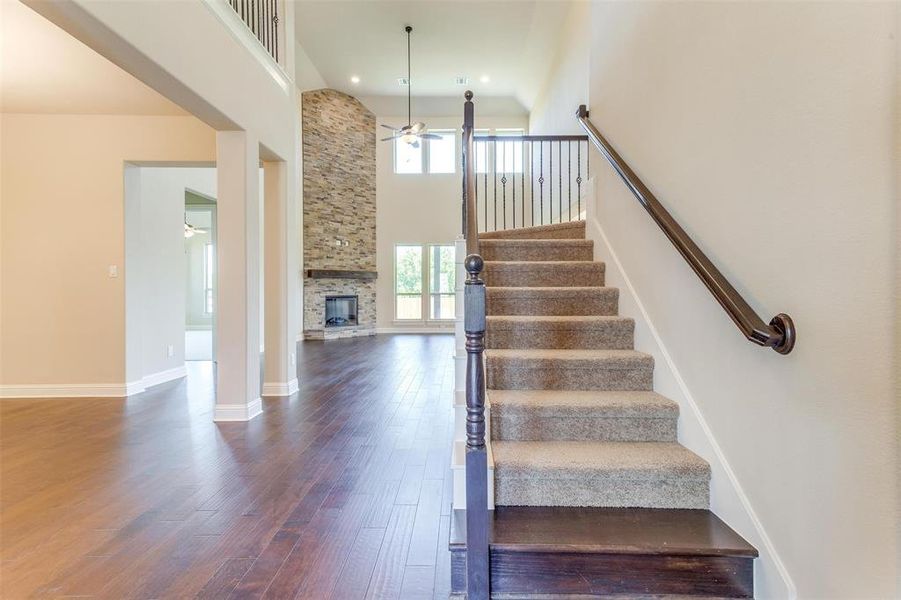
column 43, row 69
column 505, row 49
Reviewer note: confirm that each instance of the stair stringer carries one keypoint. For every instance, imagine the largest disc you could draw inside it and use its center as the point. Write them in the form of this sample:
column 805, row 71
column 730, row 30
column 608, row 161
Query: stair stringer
column 727, row 498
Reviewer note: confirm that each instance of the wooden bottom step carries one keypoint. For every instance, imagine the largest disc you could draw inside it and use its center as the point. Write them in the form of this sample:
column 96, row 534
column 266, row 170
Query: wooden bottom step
column 562, row 552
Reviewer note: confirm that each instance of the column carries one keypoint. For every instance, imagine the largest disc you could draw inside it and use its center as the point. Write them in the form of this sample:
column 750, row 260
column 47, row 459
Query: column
column 238, row 259
column 280, row 280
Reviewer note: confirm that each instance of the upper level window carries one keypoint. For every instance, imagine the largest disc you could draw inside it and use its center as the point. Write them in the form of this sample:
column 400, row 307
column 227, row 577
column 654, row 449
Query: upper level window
column 430, row 156
column 508, row 155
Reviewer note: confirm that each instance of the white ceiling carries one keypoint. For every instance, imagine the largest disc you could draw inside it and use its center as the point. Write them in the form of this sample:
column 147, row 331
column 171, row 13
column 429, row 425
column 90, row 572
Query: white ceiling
column 512, row 42
column 43, row 69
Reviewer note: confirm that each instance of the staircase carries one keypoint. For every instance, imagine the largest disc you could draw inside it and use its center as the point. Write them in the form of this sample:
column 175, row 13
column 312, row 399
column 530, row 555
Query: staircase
column 594, row 496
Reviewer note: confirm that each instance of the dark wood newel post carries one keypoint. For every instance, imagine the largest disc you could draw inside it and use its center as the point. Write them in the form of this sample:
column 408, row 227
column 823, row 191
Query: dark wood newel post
column 477, row 580
column 476, row 453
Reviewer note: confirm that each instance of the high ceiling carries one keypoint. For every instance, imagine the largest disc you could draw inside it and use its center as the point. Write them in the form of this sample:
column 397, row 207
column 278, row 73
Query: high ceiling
column 45, row 70
column 511, row 42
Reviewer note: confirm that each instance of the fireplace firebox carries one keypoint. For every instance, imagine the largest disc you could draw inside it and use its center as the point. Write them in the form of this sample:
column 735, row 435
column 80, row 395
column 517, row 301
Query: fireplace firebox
column 340, row 311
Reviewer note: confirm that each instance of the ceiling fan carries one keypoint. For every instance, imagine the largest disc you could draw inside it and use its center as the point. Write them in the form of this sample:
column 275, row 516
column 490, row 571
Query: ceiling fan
column 190, row 230
column 412, row 132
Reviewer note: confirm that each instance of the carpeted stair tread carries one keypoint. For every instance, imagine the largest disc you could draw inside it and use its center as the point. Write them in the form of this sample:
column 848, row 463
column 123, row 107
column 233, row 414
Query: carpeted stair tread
column 561, row 332
column 573, row 460
column 572, row 415
column 552, row 301
column 567, row 230
column 581, row 273
column 570, row 359
column 536, row 249
column 592, row 473
column 582, row 403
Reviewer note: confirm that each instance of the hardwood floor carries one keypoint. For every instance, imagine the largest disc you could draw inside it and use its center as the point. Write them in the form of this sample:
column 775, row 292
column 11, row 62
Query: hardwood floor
column 341, row 491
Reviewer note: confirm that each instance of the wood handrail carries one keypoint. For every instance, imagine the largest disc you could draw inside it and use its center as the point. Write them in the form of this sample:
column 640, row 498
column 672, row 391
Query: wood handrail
column 470, row 218
column 779, row 334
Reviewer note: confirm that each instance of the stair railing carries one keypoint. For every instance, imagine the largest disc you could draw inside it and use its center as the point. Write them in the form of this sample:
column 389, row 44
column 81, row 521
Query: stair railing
column 261, row 17
column 779, row 335
column 477, row 580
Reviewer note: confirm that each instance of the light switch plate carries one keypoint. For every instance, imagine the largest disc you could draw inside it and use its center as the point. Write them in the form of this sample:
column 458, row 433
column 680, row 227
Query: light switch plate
column 113, row 271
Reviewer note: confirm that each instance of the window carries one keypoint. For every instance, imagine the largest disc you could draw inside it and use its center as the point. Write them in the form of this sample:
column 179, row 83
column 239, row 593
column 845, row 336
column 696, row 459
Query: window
column 508, row 155
column 440, row 156
column 419, row 268
column 441, row 282
column 480, row 149
column 208, row 266
column 443, row 152
column 408, row 282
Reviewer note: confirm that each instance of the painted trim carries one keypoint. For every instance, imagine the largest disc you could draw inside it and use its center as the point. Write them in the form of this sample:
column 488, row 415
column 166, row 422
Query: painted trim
column 420, row 330
column 238, row 412
column 280, row 388
column 246, row 38
column 163, row 376
column 66, row 390
column 720, row 457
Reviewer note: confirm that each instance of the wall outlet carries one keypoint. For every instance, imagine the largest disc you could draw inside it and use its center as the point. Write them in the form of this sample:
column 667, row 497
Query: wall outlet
column 113, row 271
column 170, row 351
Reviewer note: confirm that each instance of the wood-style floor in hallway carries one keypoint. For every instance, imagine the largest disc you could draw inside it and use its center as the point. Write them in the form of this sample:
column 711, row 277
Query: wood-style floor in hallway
column 340, row 491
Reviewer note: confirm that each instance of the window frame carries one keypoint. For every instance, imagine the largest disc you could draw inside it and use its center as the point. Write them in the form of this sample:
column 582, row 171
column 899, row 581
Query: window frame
column 209, row 256
column 425, row 165
column 426, row 294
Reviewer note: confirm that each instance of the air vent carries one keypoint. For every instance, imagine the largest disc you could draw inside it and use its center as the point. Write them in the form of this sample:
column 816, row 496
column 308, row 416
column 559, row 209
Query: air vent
column 403, row 81
column 461, row 80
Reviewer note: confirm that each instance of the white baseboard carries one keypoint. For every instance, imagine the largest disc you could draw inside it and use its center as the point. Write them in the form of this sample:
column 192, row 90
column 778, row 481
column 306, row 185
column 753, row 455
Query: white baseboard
column 280, row 388
column 419, row 330
column 163, row 376
column 91, row 390
column 64, row 390
column 238, row 412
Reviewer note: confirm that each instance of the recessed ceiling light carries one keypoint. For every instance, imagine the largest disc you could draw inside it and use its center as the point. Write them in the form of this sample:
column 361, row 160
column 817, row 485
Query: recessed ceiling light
column 484, row 79
column 461, row 80
column 354, row 79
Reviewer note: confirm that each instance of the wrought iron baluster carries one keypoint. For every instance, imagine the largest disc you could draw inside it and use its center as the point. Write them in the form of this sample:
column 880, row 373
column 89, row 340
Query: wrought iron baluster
column 541, row 180
column 522, row 182
column 494, row 169
column 560, row 180
column 532, row 182
column 513, row 185
column 569, row 180
column 504, row 181
column 579, row 176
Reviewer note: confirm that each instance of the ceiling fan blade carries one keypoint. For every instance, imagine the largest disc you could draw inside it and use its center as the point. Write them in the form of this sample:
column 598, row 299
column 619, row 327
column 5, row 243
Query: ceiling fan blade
column 429, row 136
column 393, row 137
column 388, row 127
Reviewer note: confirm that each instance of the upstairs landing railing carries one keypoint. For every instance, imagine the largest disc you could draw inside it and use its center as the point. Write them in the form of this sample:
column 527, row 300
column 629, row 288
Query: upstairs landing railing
column 261, row 17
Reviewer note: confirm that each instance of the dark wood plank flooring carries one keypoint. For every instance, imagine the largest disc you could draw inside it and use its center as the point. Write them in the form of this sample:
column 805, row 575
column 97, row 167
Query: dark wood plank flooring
column 341, row 491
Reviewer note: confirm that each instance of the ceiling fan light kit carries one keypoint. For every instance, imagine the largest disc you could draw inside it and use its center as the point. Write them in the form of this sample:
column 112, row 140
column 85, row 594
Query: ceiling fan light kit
column 412, row 132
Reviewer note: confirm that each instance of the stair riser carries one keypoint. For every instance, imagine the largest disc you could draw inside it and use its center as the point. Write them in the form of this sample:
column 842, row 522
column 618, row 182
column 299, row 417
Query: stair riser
column 603, row 429
column 553, row 575
column 602, row 304
column 672, row 492
column 544, row 275
column 615, row 335
column 535, row 252
column 502, row 377
column 574, row 231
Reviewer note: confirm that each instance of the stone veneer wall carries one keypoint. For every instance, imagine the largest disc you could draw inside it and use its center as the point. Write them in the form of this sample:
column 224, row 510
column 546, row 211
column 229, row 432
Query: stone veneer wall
column 338, row 202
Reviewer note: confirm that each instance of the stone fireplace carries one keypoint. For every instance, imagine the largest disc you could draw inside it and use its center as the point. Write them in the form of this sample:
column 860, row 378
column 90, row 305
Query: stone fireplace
column 338, row 214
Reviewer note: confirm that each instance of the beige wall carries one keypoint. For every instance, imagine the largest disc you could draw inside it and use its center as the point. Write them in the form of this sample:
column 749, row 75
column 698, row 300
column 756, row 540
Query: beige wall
column 417, row 209
column 62, row 188
column 567, row 84
column 767, row 129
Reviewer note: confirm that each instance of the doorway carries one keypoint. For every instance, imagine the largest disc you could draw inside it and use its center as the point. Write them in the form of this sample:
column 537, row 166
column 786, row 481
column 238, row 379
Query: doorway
column 201, row 274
